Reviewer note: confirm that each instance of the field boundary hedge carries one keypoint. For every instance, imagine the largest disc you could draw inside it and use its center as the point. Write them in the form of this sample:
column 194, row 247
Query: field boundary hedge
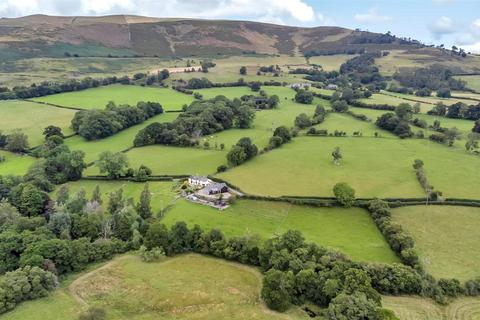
column 53, row 105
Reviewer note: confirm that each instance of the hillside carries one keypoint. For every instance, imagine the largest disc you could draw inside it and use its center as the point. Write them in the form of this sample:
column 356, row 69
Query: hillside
column 49, row 36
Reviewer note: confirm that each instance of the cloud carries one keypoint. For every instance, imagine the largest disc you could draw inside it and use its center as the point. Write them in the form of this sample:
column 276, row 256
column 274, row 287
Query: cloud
column 470, row 38
column 443, row 26
column 279, row 11
column 372, row 16
column 324, row 21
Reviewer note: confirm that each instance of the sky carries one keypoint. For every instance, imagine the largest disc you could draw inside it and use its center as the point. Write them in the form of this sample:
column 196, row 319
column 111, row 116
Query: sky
column 449, row 22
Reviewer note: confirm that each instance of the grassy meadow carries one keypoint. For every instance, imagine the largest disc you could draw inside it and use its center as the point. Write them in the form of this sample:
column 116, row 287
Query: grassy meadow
column 446, row 237
column 345, row 122
column 416, row 308
column 184, row 287
column 32, row 118
column 359, row 238
column 473, row 82
column 15, row 164
column 116, row 143
column 97, row 98
column 379, row 98
column 165, row 160
column 374, row 167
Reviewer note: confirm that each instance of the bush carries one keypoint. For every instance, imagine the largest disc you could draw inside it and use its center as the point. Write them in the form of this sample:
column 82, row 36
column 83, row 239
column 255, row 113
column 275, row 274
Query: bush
column 345, row 194
column 23, row 284
column 93, row 313
column 152, row 255
column 303, row 96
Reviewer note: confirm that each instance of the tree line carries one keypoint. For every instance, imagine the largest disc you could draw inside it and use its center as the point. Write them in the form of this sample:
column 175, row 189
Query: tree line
column 97, row 124
column 200, row 118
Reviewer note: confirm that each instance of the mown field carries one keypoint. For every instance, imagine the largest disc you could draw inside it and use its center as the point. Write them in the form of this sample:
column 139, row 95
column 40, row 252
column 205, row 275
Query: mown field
column 164, row 160
column 116, row 143
column 97, row 98
column 374, row 167
column 331, row 63
column 447, row 238
column 344, row 122
column 227, row 69
column 27, row 71
column 184, row 287
column 415, row 308
column 32, row 118
column 398, row 59
column 359, row 238
column 15, row 164
column 473, row 82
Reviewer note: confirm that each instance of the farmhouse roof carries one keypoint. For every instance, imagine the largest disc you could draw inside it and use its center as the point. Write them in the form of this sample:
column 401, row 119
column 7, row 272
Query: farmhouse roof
column 199, row 178
column 215, row 187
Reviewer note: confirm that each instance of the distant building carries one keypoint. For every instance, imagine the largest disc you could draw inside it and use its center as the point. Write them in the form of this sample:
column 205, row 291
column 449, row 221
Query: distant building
column 215, row 188
column 297, row 86
column 199, row 181
column 331, row 87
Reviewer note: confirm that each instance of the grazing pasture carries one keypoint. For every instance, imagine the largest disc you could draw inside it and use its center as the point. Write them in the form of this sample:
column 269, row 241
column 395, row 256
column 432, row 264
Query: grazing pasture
column 446, row 237
column 15, row 164
column 32, row 118
column 374, row 167
column 333, row 62
column 116, row 143
column 416, row 308
column 359, row 238
column 184, row 287
column 473, row 82
column 227, row 69
column 175, row 160
column 97, row 98
column 345, row 122
column 379, row 98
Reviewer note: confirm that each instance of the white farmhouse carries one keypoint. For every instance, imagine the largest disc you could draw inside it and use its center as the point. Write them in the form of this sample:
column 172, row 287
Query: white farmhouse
column 199, row 181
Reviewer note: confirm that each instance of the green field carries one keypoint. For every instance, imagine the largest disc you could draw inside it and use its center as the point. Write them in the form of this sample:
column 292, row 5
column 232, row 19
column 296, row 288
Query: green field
column 15, row 164
column 59, row 69
column 473, row 82
column 359, row 238
column 333, row 62
column 447, row 238
column 415, row 308
column 378, row 98
column 374, row 167
column 345, row 122
column 32, row 118
column 227, row 69
column 164, row 160
column 429, row 100
column 118, row 142
column 97, row 98
column 162, row 192
column 184, row 287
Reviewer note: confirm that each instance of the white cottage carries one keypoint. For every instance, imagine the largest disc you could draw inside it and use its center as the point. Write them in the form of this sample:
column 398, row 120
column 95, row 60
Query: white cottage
column 199, row 181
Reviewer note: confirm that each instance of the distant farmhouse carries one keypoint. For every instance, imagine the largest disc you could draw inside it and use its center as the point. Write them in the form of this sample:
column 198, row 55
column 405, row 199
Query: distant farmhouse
column 331, row 87
column 303, row 85
column 199, row 182
column 209, row 192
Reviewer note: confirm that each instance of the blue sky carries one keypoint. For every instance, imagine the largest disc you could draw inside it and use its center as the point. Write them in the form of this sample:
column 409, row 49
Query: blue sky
column 432, row 21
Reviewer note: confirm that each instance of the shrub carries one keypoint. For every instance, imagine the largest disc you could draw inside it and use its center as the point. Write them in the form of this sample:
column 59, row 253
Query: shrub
column 303, row 96
column 152, row 255
column 93, row 313
column 345, row 194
